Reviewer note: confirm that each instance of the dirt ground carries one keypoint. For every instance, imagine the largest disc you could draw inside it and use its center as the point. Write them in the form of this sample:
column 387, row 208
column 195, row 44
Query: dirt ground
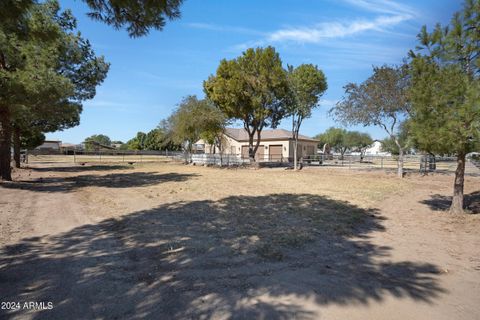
column 169, row 241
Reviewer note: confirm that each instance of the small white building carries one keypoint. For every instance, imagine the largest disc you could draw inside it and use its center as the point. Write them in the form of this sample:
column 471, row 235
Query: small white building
column 376, row 150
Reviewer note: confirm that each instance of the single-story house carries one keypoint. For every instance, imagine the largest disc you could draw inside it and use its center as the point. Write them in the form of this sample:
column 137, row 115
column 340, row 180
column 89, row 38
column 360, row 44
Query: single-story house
column 275, row 145
column 51, row 145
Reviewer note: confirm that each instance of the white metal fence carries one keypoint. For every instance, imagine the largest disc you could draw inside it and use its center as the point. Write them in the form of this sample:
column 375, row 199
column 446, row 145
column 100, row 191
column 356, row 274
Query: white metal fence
column 218, row 159
column 411, row 163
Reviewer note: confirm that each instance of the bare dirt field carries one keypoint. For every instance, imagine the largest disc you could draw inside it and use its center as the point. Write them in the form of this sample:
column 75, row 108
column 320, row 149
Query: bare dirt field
column 169, row 241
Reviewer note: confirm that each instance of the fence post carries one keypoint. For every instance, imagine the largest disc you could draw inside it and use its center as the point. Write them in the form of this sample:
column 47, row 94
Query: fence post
column 381, row 162
column 350, row 163
column 74, row 156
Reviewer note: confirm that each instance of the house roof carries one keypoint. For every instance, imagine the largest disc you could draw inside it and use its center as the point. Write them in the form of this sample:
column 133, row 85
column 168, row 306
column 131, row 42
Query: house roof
column 68, row 145
column 241, row 134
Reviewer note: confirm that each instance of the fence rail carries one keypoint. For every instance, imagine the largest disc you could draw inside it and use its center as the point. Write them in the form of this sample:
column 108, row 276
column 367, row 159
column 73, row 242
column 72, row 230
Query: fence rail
column 411, row 163
column 218, row 159
column 103, row 156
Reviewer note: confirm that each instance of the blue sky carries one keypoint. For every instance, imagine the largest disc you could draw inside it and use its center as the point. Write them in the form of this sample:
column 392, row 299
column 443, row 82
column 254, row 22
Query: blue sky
column 150, row 75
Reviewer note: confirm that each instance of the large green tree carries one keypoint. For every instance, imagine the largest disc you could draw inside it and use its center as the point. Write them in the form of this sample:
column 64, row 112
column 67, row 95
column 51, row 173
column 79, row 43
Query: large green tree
column 335, row 138
column 381, row 100
column 137, row 16
column 136, row 143
column 93, row 142
column 341, row 140
column 252, row 88
column 213, row 128
column 46, row 70
column 445, row 91
column 307, row 85
column 155, row 139
column 359, row 142
column 195, row 119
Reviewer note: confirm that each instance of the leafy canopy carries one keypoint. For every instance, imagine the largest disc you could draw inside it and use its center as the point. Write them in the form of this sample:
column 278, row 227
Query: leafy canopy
column 446, row 85
column 342, row 140
column 307, row 84
column 139, row 16
column 92, row 141
column 252, row 88
column 381, row 100
column 46, row 69
column 194, row 119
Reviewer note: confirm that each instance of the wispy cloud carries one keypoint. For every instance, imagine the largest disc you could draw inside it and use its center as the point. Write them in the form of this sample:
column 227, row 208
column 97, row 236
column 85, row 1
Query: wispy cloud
column 392, row 14
column 106, row 104
column 329, row 30
column 382, row 6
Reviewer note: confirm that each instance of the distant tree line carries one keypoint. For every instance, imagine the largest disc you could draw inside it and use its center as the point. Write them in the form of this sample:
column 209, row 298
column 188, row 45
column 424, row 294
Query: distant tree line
column 341, row 141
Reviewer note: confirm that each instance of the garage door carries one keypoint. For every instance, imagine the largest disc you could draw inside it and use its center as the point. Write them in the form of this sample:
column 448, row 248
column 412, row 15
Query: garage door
column 259, row 155
column 275, row 153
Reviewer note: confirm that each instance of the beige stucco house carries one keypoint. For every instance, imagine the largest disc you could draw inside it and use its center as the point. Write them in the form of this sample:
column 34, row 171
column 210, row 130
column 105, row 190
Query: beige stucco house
column 275, row 145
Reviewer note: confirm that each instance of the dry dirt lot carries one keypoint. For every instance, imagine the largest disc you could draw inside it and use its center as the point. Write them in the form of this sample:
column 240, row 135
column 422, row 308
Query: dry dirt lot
column 168, row 241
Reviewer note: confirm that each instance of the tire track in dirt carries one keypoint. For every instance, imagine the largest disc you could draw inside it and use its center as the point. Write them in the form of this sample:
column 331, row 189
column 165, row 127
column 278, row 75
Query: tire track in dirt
column 33, row 212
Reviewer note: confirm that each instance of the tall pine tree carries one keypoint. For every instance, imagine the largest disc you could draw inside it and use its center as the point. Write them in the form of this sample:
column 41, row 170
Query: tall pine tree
column 445, row 91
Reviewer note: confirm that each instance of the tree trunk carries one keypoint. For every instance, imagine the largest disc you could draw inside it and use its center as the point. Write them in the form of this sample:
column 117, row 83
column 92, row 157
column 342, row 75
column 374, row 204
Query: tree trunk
column 400, row 158
column 362, row 154
column 400, row 163
column 16, row 146
column 252, row 150
column 295, row 146
column 457, row 200
column 251, row 153
column 5, row 143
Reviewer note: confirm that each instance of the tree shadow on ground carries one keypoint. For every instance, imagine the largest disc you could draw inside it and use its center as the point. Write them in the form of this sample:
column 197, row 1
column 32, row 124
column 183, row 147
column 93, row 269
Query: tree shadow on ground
column 80, row 168
column 241, row 257
column 112, row 180
column 442, row 202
